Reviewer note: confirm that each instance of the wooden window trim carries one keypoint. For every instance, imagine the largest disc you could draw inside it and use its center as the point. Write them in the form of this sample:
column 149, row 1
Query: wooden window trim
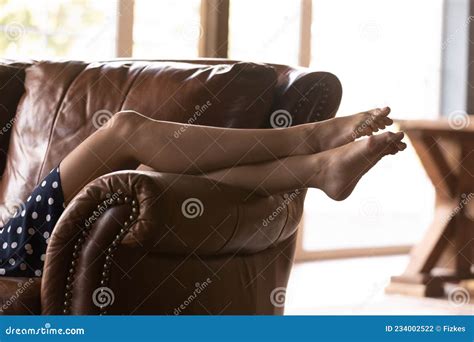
column 304, row 57
column 125, row 19
column 302, row 254
column 213, row 42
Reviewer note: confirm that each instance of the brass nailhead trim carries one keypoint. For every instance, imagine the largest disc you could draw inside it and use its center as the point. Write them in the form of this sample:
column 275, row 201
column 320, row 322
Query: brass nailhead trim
column 325, row 94
column 108, row 254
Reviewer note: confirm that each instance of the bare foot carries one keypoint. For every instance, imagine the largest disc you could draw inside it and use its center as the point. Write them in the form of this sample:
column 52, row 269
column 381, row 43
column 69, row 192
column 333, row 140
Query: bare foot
column 343, row 130
column 341, row 169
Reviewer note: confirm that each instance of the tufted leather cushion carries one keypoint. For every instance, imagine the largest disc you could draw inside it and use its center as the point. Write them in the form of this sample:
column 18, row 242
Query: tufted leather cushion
column 65, row 102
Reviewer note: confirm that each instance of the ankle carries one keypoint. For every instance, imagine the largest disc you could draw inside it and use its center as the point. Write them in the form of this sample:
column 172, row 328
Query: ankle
column 308, row 138
column 319, row 163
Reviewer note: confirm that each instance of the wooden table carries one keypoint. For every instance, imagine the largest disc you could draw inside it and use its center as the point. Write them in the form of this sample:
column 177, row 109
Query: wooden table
column 445, row 254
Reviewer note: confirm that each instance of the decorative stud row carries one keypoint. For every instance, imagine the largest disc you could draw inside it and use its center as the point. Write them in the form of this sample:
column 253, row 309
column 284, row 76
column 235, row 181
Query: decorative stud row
column 325, row 94
column 109, row 253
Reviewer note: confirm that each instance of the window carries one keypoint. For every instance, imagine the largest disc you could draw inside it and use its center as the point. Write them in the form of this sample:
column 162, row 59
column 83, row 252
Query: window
column 391, row 54
column 79, row 29
column 265, row 30
column 166, row 29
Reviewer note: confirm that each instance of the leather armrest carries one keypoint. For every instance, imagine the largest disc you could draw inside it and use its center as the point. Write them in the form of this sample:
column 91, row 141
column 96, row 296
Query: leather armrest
column 161, row 213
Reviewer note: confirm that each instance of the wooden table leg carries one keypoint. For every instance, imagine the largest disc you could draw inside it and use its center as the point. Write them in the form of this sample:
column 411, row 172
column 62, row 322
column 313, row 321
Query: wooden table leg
column 446, row 251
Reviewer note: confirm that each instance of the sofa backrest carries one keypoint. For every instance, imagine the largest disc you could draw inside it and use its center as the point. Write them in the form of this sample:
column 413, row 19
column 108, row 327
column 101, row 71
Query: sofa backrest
column 64, row 102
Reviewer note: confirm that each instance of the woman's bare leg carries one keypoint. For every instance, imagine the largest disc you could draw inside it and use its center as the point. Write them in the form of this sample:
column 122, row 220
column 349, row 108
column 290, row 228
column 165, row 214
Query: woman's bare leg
column 335, row 171
column 130, row 139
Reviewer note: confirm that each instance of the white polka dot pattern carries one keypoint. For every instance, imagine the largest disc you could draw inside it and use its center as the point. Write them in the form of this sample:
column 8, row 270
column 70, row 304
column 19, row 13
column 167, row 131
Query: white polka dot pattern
column 23, row 244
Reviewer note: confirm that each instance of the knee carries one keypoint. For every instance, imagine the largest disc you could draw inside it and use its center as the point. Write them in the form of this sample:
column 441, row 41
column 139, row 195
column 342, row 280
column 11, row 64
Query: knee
column 126, row 121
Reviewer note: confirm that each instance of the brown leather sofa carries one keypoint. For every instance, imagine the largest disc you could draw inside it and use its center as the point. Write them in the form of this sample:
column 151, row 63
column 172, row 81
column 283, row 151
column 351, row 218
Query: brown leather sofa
column 145, row 254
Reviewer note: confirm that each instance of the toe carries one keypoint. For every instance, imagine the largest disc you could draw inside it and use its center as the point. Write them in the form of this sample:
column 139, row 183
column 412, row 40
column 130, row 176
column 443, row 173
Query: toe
column 374, row 125
column 385, row 111
column 397, row 137
column 380, row 123
column 380, row 112
column 401, row 146
column 387, row 121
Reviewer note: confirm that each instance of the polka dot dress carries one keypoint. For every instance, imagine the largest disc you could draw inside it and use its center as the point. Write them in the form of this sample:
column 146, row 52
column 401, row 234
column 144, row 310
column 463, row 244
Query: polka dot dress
column 24, row 238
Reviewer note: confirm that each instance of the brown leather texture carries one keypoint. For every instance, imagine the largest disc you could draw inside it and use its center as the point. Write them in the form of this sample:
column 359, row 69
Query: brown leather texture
column 12, row 78
column 234, row 232
column 150, row 255
column 20, row 296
